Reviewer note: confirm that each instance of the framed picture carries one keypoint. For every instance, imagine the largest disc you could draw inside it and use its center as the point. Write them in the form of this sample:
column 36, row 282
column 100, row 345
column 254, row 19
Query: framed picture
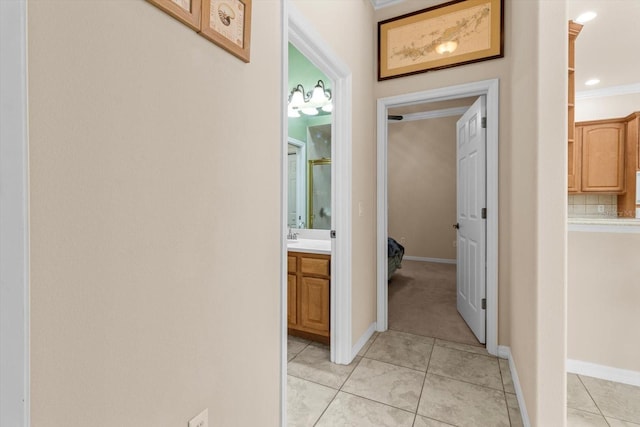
column 451, row 34
column 227, row 23
column 185, row 11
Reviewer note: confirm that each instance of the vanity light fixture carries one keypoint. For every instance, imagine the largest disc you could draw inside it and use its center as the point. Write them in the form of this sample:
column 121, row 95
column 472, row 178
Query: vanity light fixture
column 309, row 102
column 586, row 17
column 592, row 82
column 447, row 47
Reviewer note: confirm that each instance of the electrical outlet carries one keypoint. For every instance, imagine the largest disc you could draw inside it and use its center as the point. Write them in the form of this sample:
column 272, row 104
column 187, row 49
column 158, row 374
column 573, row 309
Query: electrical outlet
column 403, row 241
column 200, row 420
column 360, row 209
column 455, row 243
column 600, row 208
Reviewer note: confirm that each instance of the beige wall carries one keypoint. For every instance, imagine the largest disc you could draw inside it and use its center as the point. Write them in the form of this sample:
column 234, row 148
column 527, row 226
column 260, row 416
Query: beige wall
column 357, row 51
column 607, row 107
column 532, row 168
column 143, row 312
column 603, row 294
column 421, row 179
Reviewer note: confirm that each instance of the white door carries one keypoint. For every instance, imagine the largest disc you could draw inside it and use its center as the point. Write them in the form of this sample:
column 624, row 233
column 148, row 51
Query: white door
column 471, row 200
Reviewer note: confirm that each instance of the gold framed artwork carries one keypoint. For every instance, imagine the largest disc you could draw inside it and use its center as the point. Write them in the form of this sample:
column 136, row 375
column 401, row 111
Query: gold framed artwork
column 185, row 11
column 455, row 33
column 227, row 23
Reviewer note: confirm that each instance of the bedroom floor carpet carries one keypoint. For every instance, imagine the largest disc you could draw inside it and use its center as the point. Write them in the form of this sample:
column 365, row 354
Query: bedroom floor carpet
column 422, row 301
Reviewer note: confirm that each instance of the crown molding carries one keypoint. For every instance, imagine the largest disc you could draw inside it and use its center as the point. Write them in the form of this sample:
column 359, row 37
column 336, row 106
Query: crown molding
column 609, row 91
column 379, row 4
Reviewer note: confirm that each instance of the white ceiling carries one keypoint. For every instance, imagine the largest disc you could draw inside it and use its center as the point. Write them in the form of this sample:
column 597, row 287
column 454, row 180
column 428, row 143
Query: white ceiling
column 607, row 47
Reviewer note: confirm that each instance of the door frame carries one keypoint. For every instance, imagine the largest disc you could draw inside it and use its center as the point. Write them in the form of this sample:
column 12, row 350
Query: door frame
column 301, row 177
column 300, row 32
column 490, row 88
column 14, row 221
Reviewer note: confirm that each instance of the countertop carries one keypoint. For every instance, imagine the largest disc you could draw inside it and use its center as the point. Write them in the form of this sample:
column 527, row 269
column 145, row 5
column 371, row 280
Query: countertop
column 311, row 246
column 605, row 225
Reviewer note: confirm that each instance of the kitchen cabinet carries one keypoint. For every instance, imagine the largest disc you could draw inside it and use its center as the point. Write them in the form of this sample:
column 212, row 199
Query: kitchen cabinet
column 601, row 148
column 627, row 201
column 309, row 284
column 573, row 178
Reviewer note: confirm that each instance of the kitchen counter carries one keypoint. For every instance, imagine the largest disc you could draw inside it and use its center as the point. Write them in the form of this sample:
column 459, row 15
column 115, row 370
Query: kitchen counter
column 605, row 225
column 310, row 246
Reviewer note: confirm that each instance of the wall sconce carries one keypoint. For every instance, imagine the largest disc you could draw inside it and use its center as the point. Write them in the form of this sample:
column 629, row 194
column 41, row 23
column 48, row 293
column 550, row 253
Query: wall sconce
column 308, row 103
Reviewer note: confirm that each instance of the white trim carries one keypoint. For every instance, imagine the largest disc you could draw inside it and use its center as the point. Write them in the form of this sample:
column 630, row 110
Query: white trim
column 14, row 222
column 603, row 372
column 504, row 352
column 604, row 228
column 423, row 259
column 609, row 91
column 363, row 340
column 435, row 114
column 305, row 38
column 490, row 88
column 284, row 173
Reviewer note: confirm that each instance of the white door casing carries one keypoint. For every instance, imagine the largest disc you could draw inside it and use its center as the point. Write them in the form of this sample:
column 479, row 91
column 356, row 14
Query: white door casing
column 490, row 88
column 471, row 226
column 302, row 34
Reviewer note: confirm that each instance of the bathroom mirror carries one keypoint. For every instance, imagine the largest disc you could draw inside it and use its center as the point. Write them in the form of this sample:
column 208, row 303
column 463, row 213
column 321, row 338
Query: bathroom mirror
column 309, row 179
column 309, row 145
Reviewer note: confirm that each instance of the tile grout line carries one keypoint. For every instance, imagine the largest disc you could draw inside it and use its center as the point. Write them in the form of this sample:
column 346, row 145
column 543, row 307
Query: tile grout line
column 592, row 399
column 426, row 372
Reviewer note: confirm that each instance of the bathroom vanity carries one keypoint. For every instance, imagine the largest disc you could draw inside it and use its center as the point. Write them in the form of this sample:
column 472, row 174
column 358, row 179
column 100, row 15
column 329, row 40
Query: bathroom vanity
column 308, row 290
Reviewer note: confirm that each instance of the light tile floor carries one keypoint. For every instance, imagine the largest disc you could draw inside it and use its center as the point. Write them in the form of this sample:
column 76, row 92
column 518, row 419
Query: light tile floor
column 400, row 379
column 596, row 402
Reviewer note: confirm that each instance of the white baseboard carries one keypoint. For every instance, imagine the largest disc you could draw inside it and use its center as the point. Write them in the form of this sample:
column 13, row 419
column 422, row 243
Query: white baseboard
column 363, row 340
column 603, row 372
column 423, row 259
column 504, row 352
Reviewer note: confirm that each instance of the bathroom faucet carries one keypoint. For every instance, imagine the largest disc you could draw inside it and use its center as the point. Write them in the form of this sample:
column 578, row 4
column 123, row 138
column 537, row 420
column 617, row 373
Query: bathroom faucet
column 292, row 236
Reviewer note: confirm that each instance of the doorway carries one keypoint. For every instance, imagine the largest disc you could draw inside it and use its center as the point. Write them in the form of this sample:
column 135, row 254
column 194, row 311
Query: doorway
column 488, row 88
column 302, row 35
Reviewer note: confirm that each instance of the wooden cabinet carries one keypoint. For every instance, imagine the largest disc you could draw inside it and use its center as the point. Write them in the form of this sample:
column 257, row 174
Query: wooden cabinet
column 309, row 285
column 601, row 145
column 597, row 157
column 574, row 161
column 627, row 201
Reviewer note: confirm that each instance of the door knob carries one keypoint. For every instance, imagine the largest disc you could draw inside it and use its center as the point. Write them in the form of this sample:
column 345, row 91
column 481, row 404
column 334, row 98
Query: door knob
column 456, row 226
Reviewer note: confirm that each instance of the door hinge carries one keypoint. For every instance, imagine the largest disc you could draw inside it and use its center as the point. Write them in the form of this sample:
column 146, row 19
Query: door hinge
column 333, row 234
column 483, row 213
column 484, row 123
column 484, row 303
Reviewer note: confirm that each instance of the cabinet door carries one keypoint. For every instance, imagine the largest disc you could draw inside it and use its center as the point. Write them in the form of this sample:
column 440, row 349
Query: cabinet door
column 292, row 300
column 314, row 304
column 574, row 161
column 603, row 158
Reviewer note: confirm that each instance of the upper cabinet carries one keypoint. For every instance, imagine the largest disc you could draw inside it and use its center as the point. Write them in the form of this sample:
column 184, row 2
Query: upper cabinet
column 574, row 185
column 601, row 148
column 627, row 201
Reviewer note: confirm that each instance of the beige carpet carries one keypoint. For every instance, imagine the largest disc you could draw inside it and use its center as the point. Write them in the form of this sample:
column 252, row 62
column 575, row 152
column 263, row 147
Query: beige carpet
column 422, row 301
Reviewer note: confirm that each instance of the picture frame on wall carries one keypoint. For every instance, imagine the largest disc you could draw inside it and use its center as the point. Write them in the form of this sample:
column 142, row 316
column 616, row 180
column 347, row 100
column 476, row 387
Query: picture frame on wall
column 227, row 23
column 455, row 33
column 186, row 11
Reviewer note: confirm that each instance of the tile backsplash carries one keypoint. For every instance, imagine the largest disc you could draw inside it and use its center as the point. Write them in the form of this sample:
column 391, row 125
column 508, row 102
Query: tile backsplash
column 593, row 206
